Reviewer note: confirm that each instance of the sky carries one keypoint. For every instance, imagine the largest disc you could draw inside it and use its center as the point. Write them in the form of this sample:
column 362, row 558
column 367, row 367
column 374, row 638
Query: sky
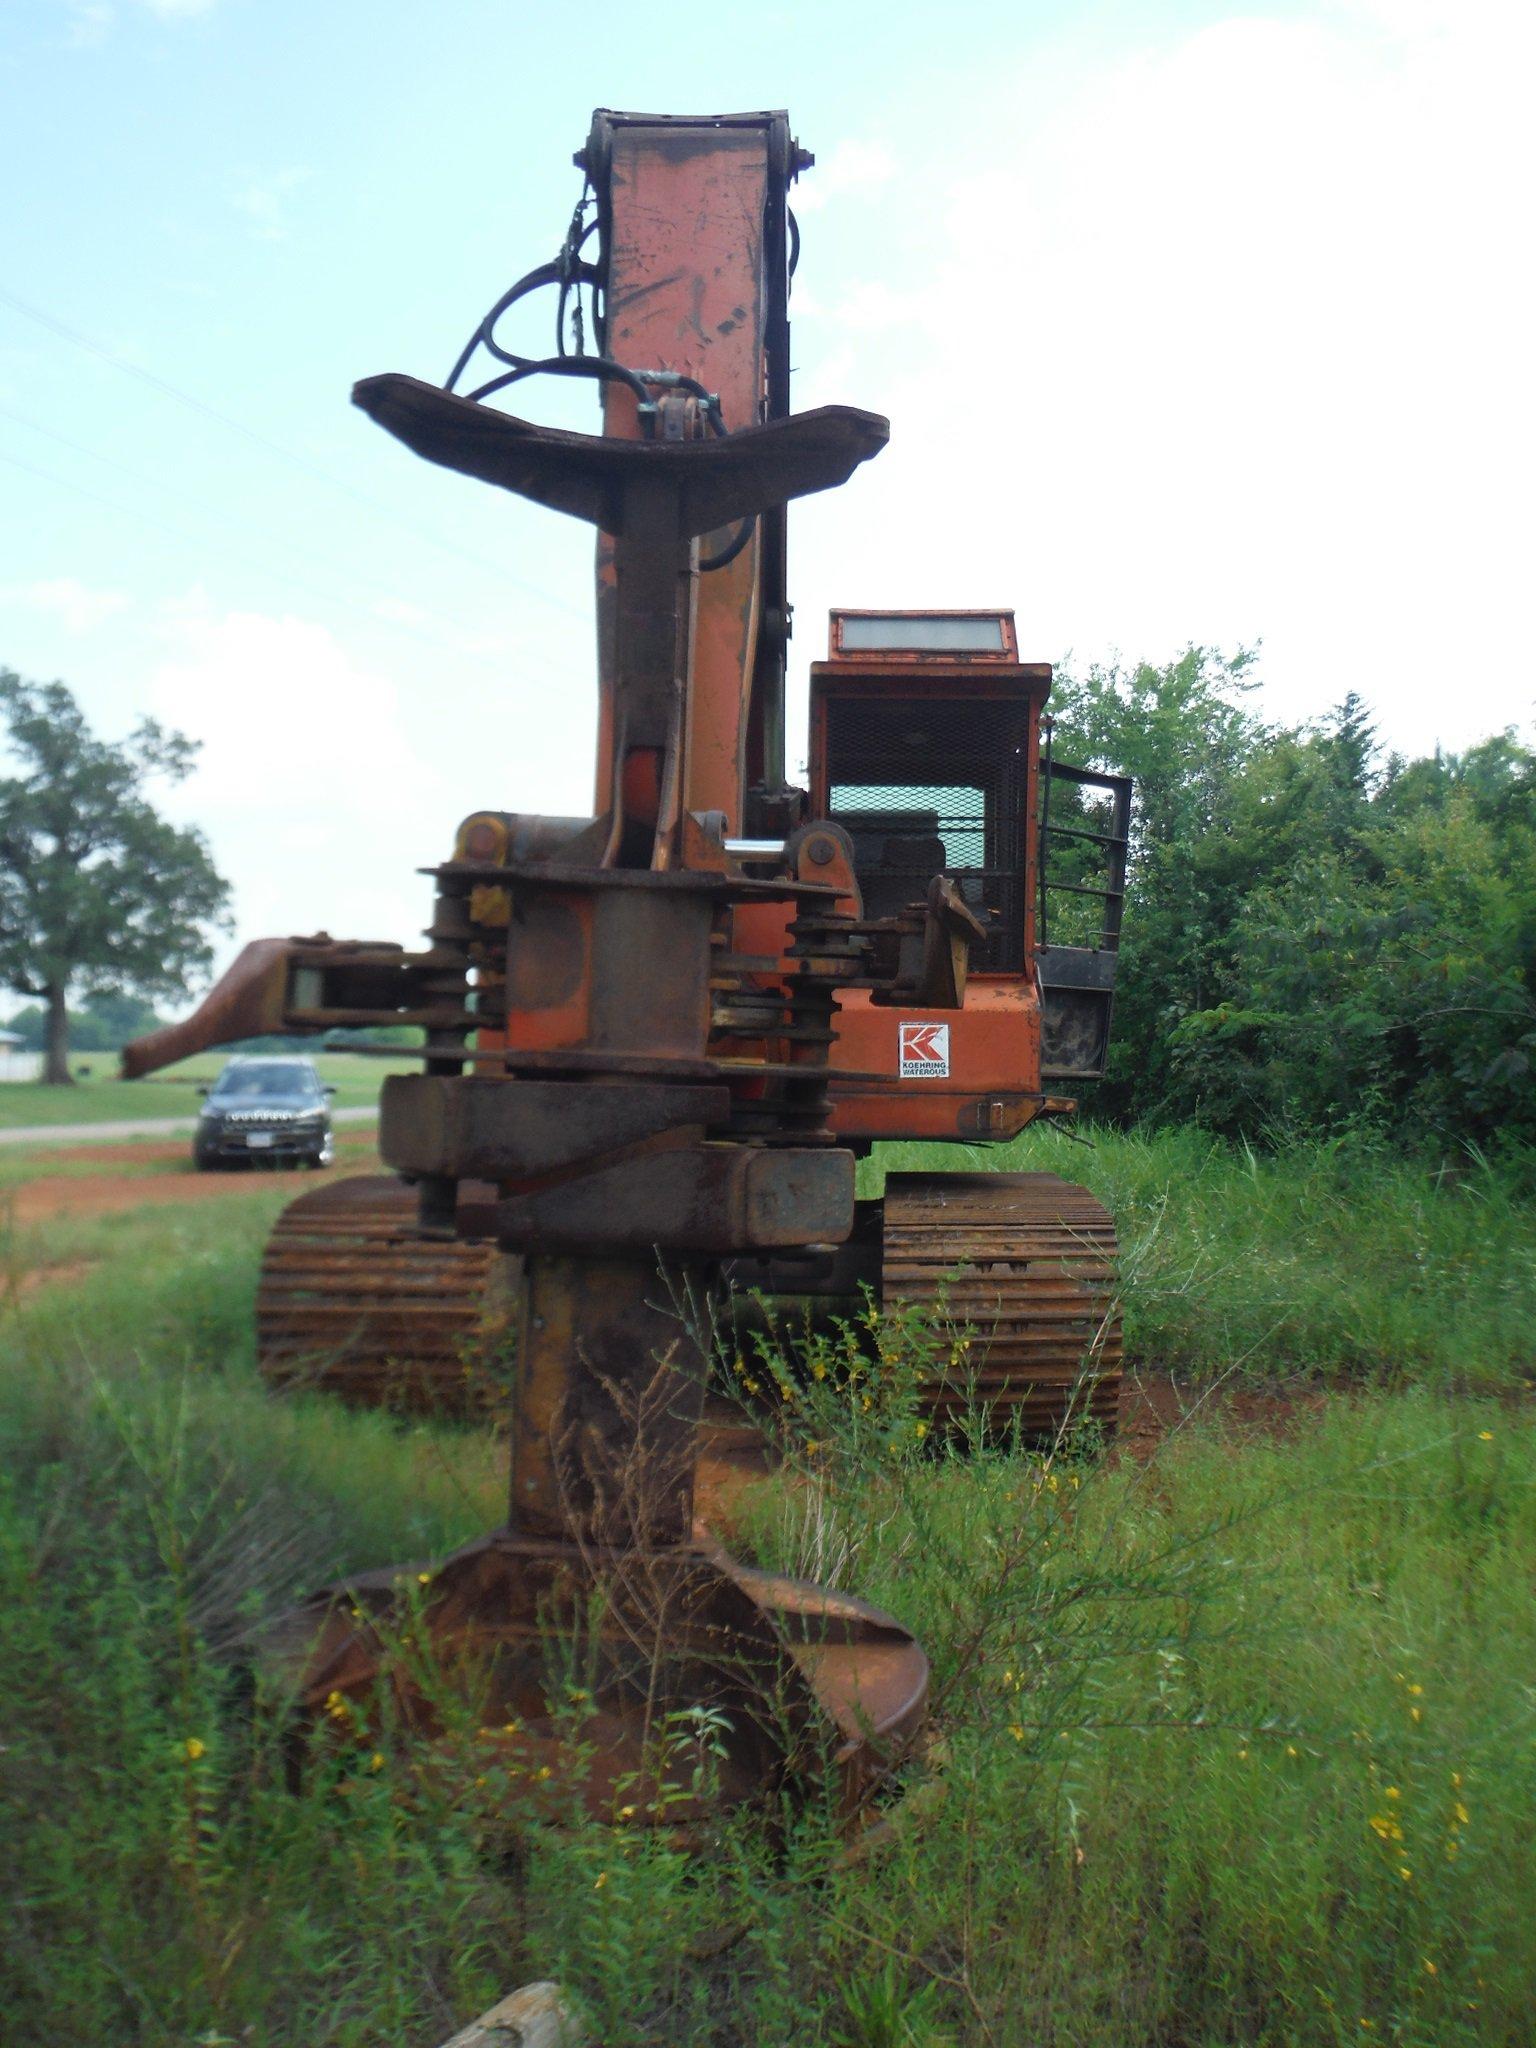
column 1195, row 323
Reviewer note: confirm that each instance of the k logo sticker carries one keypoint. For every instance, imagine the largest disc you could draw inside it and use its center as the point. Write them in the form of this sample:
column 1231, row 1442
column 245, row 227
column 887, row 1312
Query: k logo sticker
column 924, row 1050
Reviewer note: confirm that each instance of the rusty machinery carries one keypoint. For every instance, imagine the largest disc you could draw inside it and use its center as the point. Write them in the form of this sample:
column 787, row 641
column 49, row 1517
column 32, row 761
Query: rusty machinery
column 656, row 1038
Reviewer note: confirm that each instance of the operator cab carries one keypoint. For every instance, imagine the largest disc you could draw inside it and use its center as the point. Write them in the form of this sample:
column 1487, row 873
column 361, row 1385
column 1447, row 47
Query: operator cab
column 926, row 747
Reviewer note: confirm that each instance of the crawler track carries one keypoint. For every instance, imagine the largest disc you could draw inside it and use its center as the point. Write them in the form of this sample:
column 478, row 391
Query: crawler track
column 1016, row 1271
column 353, row 1302
column 1021, row 1267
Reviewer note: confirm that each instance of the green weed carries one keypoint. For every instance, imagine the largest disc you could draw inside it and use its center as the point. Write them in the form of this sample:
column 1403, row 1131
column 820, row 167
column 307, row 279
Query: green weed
column 1330, row 1259
column 1235, row 1746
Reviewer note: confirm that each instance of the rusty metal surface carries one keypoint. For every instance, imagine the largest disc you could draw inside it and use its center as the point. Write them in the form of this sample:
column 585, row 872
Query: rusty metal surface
column 699, row 1198
column 477, row 1128
column 606, row 1402
column 656, row 490
column 803, row 1680
column 245, row 1002
column 1017, row 1271
column 352, row 1301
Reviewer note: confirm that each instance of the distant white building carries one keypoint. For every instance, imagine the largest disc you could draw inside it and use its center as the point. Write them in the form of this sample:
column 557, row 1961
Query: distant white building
column 16, row 1064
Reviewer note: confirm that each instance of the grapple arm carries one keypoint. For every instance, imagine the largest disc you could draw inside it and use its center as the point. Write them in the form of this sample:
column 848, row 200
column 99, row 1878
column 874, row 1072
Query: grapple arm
column 298, row 987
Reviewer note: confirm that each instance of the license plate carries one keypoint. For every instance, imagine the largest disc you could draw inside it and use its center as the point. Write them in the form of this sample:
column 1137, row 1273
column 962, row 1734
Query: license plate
column 257, row 1140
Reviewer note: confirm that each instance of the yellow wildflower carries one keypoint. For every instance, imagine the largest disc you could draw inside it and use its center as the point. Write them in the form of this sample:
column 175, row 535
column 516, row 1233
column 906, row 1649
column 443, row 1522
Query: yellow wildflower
column 1393, row 1793
column 1404, row 1872
column 192, row 1749
column 1015, row 1731
column 600, row 1880
column 423, row 1578
column 1462, row 1814
column 376, row 1762
column 1429, row 1968
column 1485, row 1436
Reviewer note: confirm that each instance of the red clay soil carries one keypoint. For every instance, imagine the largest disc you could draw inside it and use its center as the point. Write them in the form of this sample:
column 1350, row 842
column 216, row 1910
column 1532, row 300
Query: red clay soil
column 97, row 1194
column 1152, row 1406
column 161, row 1152
column 16, row 1287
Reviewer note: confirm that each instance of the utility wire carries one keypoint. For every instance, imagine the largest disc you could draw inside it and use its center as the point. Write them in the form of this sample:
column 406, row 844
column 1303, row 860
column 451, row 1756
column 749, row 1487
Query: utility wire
column 136, row 515
column 273, row 448
column 197, row 501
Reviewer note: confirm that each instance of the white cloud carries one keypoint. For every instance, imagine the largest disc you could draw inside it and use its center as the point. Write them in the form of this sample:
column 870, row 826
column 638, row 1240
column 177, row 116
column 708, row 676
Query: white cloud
column 308, row 783
column 263, row 201
column 1234, row 344
column 76, row 606
column 92, row 21
column 850, row 166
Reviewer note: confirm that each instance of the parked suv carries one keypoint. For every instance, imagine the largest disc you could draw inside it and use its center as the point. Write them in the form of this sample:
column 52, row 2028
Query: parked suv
column 264, row 1107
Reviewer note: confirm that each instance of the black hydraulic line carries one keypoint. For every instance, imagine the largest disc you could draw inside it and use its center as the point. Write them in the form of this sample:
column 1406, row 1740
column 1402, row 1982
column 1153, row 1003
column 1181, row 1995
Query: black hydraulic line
column 598, row 367
column 732, row 548
column 570, row 262
column 555, row 272
column 568, row 272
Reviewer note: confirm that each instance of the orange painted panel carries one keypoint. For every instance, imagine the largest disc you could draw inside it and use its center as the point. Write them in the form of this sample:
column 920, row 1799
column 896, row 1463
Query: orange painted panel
column 686, row 293
column 970, row 1073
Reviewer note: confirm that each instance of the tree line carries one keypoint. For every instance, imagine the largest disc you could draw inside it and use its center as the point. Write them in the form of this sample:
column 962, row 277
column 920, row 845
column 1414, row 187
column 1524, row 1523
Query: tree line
column 1317, row 936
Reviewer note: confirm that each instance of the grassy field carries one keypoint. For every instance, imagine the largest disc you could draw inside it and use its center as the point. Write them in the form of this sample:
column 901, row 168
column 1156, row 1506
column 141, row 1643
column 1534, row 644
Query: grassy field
column 1237, row 1746
column 101, row 1098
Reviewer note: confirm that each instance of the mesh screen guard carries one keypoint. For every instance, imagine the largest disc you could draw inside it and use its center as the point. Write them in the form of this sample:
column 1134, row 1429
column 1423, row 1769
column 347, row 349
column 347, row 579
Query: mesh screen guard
column 926, row 786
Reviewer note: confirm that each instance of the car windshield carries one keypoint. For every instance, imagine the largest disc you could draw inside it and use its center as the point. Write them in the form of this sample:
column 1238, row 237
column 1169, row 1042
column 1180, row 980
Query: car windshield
column 266, row 1077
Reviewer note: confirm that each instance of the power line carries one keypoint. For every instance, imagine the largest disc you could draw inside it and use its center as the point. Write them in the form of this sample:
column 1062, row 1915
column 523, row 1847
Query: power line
column 137, row 514
column 195, row 500
column 275, row 449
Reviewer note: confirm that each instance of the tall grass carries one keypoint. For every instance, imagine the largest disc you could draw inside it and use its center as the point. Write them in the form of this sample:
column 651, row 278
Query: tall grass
column 1235, row 1747
column 1326, row 1259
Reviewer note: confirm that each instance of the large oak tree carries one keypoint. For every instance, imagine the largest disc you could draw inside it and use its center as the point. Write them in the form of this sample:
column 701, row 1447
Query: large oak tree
column 97, row 890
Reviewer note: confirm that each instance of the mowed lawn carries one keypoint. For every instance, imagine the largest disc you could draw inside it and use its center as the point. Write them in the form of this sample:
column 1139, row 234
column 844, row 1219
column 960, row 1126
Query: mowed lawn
column 1232, row 1745
column 100, row 1097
